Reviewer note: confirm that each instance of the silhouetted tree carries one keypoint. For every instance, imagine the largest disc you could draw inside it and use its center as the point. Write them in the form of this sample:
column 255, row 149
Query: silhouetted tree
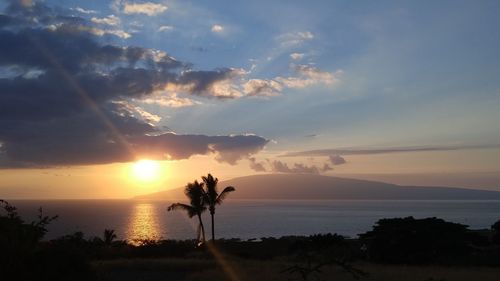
column 24, row 257
column 109, row 236
column 409, row 240
column 496, row 232
column 317, row 251
column 213, row 197
column 196, row 195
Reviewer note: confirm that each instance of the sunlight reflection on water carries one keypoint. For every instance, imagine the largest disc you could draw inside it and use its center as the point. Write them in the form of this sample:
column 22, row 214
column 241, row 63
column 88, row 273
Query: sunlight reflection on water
column 247, row 219
column 144, row 223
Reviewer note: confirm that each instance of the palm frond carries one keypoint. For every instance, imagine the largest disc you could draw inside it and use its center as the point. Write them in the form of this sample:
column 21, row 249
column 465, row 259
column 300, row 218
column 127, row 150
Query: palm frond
column 210, row 179
column 196, row 194
column 223, row 194
column 211, row 188
column 179, row 206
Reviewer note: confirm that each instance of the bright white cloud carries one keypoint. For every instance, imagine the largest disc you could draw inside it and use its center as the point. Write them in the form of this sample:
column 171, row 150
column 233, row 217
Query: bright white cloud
column 318, row 75
column 165, row 28
column 217, row 28
column 236, row 84
column 146, row 8
column 305, row 35
column 297, row 56
column 133, row 110
column 262, row 87
column 84, row 11
column 109, row 20
column 225, row 89
column 308, row 76
column 169, row 100
column 147, row 116
column 120, row 33
column 101, row 32
column 295, row 38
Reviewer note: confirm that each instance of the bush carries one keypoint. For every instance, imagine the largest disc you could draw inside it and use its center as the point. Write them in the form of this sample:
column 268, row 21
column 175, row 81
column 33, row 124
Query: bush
column 409, row 240
column 495, row 228
column 24, row 257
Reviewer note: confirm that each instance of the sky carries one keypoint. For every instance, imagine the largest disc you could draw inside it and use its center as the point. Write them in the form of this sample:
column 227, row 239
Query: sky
column 399, row 91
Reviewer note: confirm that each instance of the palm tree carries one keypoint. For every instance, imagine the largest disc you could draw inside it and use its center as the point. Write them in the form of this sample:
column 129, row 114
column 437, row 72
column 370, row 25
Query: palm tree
column 213, row 197
column 109, row 236
column 196, row 195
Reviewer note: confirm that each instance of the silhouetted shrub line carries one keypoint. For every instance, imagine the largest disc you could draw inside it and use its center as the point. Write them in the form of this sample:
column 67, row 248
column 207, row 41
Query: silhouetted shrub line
column 25, row 256
column 426, row 241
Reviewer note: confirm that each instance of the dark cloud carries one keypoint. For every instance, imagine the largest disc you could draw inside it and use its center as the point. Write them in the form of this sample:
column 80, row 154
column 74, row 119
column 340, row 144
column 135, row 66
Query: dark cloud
column 362, row 151
column 229, row 149
column 5, row 20
column 327, row 167
column 297, row 168
column 281, row 167
column 64, row 99
column 256, row 166
column 311, row 136
column 336, row 160
column 277, row 166
column 82, row 140
column 203, row 83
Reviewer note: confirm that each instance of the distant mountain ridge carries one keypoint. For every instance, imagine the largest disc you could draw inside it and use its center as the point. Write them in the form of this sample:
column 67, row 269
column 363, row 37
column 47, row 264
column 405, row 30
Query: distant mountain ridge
column 309, row 187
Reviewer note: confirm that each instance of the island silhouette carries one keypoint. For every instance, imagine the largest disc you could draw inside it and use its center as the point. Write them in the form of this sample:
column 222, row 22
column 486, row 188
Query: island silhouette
column 318, row 187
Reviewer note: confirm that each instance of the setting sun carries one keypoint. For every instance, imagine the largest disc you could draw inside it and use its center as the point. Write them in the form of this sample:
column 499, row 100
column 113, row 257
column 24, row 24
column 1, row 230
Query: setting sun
column 146, row 170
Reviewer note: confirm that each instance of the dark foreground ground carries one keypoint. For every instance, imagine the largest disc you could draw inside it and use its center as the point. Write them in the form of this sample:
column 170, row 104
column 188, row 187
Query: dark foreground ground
column 235, row 269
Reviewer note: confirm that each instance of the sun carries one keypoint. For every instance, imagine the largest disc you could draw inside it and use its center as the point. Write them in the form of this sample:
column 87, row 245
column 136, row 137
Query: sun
column 146, row 170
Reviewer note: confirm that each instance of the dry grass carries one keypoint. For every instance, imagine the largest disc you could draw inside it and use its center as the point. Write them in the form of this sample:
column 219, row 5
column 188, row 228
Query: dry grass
column 435, row 273
column 249, row 270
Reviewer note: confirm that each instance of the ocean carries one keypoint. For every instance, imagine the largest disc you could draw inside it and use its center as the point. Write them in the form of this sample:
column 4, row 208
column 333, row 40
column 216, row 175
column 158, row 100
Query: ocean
column 246, row 219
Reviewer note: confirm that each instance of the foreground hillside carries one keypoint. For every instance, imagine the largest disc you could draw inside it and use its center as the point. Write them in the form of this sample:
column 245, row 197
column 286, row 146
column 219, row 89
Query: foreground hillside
column 303, row 186
column 246, row 270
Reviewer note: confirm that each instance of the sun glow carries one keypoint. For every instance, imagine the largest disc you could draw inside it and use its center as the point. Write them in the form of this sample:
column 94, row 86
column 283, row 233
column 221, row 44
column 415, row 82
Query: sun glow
column 146, row 170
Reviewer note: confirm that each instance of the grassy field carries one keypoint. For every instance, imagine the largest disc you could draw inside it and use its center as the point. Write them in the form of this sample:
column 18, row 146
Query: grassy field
column 247, row 270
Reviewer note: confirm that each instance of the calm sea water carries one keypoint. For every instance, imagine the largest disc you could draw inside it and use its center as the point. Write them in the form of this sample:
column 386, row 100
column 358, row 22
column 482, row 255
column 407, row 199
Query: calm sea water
column 248, row 219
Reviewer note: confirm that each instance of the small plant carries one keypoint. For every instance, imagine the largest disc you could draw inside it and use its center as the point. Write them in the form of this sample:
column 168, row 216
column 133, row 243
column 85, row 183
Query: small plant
column 109, row 236
column 312, row 269
column 318, row 251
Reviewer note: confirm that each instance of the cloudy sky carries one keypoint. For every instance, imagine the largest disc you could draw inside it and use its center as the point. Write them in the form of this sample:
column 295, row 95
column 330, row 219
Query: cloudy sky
column 401, row 91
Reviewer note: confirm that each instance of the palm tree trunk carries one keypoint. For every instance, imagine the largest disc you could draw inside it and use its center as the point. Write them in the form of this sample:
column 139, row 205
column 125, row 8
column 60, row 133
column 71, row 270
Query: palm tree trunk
column 213, row 231
column 202, row 228
column 198, row 233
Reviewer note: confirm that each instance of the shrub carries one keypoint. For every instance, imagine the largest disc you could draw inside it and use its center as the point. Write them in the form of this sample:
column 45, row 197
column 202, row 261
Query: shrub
column 409, row 240
column 495, row 228
column 24, row 257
